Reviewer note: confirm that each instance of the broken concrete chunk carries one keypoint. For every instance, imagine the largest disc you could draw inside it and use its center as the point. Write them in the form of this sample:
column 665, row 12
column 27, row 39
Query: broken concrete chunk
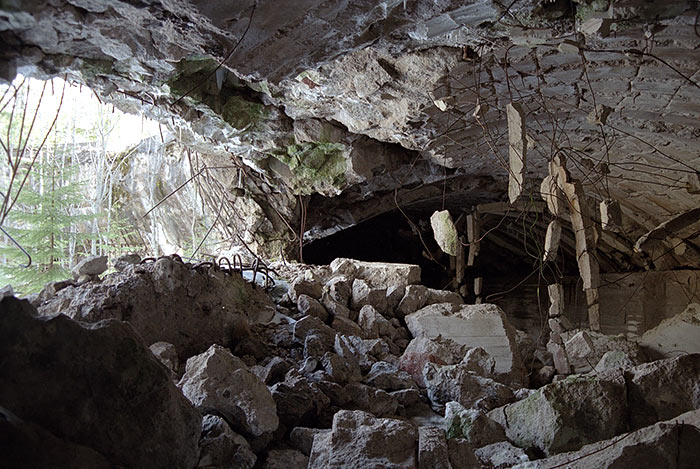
column 374, row 324
column 556, row 299
column 100, row 388
column 414, row 299
column 482, row 326
column 552, row 194
column 365, row 441
column 222, row 447
column 580, row 345
column 603, row 343
column 447, row 383
column 302, row 286
column 663, row 389
column 422, row 350
column 679, row 226
column 551, row 241
column 550, row 419
column 445, row 232
column 299, row 401
column 311, row 307
column 95, row 265
column 363, row 294
column 477, row 360
column 501, row 455
column 378, row 274
column 167, row 355
column 675, row 336
column 611, row 215
column 561, row 361
column 692, row 183
column 285, row 459
column 665, row 444
column 517, row 150
column 432, row 449
column 472, row 425
column 218, row 382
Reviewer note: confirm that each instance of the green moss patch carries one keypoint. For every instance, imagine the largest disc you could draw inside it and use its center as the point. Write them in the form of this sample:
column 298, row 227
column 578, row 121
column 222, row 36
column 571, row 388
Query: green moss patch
column 315, row 166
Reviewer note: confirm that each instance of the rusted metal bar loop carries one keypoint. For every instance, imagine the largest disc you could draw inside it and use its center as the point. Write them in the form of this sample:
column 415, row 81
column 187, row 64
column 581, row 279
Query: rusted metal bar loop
column 176, row 257
column 255, row 270
column 230, row 269
column 237, row 257
column 147, row 259
column 202, row 264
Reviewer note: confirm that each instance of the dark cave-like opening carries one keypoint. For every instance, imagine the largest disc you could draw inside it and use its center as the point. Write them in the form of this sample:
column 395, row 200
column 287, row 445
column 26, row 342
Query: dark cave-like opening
column 509, row 253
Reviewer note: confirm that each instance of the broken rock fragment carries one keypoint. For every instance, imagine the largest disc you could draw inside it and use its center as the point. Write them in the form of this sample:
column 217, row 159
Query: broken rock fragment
column 445, row 232
column 447, row 383
column 221, row 447
column 550, row 419
column 218, row 382
column 483, row 325
column 358, row 439
column 100, row 388
column 677, row 335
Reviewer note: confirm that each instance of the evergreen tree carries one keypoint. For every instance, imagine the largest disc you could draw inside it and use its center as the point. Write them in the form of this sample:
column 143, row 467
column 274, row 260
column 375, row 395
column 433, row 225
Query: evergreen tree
column 43, row 223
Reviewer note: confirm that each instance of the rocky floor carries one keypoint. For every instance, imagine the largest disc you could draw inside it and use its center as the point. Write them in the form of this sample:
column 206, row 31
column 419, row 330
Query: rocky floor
column 166, row 364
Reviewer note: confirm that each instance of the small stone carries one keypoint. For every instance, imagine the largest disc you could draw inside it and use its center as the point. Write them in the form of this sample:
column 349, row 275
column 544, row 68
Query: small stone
column 90, row 266
column 580, row 345
column 311, row 307
column 221, row 447
column 167, row 355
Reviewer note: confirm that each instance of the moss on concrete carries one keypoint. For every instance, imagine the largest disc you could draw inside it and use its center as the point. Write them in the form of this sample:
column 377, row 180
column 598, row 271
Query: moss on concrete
column 230, row 103
column 316, row 166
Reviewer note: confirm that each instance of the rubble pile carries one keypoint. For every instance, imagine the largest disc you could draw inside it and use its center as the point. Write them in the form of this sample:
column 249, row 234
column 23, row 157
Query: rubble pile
column 355, row 364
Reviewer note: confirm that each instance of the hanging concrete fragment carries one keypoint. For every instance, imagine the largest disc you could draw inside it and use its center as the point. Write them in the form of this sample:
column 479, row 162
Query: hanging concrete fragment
column 517, row 150
column 445, row 232
column 680, row 226
column 556, row 299
column 611, row 215
column 693, row 183
column 553, row 196
column 551, row 241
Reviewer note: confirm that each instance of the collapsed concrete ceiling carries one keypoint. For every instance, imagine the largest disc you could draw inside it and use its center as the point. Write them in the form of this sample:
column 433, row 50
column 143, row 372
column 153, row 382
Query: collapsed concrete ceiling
column 324, row 114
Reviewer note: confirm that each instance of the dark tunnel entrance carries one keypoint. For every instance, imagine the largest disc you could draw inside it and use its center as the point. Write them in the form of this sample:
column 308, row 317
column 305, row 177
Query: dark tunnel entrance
column 510, row 249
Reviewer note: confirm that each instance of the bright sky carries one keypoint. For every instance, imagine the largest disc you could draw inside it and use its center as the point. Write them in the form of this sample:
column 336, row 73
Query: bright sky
column 81, row 104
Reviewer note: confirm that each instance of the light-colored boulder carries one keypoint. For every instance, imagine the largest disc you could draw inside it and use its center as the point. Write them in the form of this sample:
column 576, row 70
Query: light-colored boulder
column 483, row 325
column 358, row 439
column 364, row 294
column 339, row 289
column 388, row 377
column 378, row 274
column 445, row 232
column 220, row 447
column 675, row 336
column 664, row 444
column 565, row 415
column 456, row 383
column 477, row 360
column 422, row 350
column 96, row 386
column 600, row 344
column 414, row 298
column 218, row 382
column 663, row 389
column 299, row 401
column 374, row 324
column 95, row 265
column 501, row 455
